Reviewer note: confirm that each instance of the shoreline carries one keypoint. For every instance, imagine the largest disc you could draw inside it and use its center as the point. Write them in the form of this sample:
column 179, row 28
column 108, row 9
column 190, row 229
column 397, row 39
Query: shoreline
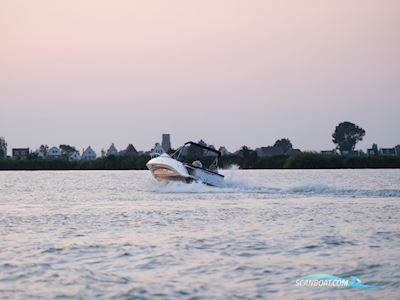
column 283, row 169
column 304, row 160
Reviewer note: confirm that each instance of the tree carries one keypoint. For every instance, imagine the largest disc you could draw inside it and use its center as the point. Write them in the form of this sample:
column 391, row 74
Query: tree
column 32, row 156
column 245, row 152
column 67, row 148
column 347, row 135
column 3, row 148
column 43, row 149
column 284, row 144
column 375, row 149
column 397, row 150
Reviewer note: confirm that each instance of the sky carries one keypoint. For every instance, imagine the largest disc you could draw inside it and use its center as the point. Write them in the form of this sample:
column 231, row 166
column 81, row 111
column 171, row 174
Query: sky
column 93, row 72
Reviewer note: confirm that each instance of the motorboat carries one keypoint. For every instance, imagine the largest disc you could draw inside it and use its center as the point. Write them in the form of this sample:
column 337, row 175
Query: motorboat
column 185, row 165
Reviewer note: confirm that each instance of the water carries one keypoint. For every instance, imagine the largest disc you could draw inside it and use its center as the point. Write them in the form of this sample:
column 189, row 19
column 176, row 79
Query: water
column 121, row 235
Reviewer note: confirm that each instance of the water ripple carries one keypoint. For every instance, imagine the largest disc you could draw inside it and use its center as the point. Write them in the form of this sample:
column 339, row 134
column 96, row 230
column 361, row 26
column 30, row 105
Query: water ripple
column 118, row 235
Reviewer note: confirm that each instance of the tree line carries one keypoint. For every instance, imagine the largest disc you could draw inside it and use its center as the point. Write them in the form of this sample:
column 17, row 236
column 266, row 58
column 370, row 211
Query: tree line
column 345, row 136
column 303, row 160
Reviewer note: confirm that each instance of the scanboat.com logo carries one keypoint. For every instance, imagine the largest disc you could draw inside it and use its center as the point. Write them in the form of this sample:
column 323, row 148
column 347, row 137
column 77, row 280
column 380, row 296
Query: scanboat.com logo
column 318, row 280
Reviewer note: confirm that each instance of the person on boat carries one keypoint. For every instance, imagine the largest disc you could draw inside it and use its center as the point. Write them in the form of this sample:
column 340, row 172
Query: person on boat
column 197, row 163
column 213, row 167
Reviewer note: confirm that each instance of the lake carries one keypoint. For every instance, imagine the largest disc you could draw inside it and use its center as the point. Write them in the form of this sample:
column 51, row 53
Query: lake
column 119, row 234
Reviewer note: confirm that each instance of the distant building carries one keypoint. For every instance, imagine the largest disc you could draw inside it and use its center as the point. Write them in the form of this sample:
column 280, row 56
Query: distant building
column 54, row 152
column 39, row 153
column 74, row 156
column 373, row 151
column 67, row 150
column 129, row 151
column 329, row 152
column 42, row 151
column 20, row 153
column 387, row 151
column 157, row 150
column 88, row 154
column 3, row 148
column 112, row 150
column 352, row 153
column 166, row 142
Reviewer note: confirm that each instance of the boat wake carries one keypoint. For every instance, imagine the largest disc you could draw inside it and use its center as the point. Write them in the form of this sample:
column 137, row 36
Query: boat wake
column 235, row 184
column 306, row 189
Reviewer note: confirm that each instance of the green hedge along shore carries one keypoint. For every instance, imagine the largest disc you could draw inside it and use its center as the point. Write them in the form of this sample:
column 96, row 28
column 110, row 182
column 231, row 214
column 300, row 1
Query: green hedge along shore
column 304, row 160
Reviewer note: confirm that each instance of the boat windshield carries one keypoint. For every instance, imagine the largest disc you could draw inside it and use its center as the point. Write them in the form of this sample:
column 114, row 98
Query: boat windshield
column 198, row 155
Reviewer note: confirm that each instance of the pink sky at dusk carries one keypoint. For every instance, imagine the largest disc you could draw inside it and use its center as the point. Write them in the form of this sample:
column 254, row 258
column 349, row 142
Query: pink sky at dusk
column 234, row 73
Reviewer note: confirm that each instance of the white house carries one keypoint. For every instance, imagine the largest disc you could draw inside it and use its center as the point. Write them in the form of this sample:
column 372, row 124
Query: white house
column 74, row 156
column 42, row 151
column 54, row 152
column 157, row 150
column 112, row 150
column 88, row 154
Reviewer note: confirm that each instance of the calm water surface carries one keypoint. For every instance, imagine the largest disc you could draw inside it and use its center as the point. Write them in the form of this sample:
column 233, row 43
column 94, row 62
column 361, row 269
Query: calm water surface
column 121, row 235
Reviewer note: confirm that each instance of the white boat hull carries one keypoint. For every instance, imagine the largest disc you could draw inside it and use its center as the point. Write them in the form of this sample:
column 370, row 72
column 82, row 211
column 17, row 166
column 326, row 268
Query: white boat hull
column 165, row 168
